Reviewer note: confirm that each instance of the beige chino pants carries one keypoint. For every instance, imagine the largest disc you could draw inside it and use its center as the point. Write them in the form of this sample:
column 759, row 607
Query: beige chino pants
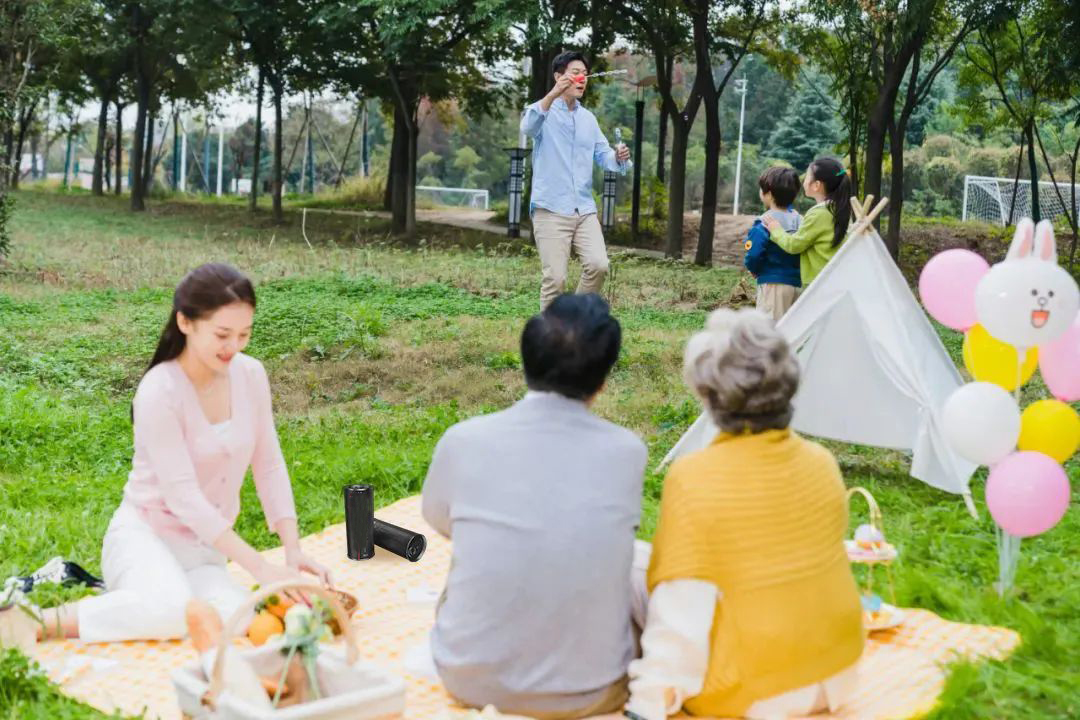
column 556, row 237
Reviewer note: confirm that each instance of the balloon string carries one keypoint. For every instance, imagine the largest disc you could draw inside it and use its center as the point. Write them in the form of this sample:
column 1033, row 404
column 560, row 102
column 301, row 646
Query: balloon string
column 1009, row 545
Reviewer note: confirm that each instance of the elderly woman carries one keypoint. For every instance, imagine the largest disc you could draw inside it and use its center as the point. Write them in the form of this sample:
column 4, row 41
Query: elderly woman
column 753, row 610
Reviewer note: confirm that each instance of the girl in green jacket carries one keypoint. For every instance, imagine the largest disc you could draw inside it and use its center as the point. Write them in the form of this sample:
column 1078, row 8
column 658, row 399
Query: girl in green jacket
column 824, row 225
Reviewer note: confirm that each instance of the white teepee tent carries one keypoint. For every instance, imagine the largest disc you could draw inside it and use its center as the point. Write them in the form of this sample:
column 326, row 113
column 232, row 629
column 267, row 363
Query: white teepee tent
column 874, row 371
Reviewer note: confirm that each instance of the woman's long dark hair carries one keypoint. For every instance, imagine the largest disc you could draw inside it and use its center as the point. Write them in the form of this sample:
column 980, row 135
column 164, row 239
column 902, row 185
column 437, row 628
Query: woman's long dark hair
column 837, row 184
column 201, row 292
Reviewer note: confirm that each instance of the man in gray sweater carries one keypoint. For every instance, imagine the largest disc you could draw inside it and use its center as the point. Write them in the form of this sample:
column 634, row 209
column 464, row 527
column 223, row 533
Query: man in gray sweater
column 542, row 502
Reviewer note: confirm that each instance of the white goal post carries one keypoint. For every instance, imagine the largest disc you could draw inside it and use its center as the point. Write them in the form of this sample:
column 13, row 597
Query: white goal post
column 455, row 197
column 990, row 199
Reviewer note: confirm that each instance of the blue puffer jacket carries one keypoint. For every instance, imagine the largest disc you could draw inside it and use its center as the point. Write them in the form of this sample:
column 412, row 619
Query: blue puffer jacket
column 764, row 258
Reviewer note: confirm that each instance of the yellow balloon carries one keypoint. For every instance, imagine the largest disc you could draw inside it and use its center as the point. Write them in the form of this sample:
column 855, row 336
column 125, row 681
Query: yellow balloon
column 990, row 360
column 1050, row 427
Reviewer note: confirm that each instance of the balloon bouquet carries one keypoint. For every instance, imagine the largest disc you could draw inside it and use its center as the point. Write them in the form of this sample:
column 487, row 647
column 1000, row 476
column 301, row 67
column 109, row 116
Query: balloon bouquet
column 1021, row 313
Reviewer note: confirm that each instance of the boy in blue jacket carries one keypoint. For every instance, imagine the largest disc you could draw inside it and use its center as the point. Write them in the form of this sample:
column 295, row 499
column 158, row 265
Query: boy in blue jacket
column 776, row 271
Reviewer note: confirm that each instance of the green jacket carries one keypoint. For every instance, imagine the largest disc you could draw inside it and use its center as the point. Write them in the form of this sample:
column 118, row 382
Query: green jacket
column 812, row 242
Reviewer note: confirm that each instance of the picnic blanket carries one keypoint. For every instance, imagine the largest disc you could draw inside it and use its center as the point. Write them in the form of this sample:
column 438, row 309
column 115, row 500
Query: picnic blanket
column 902, row 670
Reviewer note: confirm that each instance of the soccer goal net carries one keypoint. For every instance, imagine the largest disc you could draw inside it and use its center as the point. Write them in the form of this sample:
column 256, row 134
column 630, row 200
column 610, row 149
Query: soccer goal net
column 1002, row 202
column 431, row 196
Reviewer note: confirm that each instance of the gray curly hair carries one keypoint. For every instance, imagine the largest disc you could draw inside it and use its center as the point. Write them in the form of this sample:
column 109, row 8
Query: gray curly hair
column 743, row 371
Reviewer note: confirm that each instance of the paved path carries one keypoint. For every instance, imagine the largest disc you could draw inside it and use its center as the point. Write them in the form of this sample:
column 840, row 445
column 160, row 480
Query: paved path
column 729, row 235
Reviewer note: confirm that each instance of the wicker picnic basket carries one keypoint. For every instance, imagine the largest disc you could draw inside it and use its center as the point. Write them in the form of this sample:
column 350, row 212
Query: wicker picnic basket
column 353, row 690
column 881, row 555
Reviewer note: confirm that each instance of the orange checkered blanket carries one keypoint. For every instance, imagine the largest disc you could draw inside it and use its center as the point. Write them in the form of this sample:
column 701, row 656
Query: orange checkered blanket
column 902, row 670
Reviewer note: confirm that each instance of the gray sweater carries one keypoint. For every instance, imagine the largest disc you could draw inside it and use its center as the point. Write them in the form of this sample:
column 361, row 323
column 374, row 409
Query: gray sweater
column 542, row 502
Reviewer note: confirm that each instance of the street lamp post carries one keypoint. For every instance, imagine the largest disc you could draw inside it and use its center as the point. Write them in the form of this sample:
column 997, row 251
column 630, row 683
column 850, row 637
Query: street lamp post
column 516, row 190
column 740, row 87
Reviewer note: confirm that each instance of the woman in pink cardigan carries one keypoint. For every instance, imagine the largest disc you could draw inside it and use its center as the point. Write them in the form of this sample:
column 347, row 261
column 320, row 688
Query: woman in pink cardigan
column 202, row 416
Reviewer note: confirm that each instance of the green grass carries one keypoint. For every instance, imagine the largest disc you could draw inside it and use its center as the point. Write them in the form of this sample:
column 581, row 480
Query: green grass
column 374, row 348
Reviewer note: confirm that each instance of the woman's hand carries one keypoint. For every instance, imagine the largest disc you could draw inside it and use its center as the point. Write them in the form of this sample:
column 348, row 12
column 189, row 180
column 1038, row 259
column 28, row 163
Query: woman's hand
column 300, row 562
column 770, row 222
column 269, row 573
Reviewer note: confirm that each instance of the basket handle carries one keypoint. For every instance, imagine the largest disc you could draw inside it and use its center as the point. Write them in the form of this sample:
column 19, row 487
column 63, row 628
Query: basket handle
column 217, row 676
column 875, row 511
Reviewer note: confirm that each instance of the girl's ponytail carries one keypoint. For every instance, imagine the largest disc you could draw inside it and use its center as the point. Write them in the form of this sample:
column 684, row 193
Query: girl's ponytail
column 834, row 177
column 170, row 344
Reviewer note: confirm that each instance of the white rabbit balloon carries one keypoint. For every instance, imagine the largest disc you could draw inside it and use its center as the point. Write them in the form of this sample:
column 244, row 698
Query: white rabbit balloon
column 1027, row 299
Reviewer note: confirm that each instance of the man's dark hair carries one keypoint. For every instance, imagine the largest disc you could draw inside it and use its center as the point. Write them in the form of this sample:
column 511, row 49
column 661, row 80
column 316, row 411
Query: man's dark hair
column 558, row 65
column 782, row 183
column 571, row 346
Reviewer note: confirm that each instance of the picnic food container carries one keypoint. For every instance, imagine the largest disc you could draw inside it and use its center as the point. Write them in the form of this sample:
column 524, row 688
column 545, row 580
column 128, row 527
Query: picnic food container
column 352, row 689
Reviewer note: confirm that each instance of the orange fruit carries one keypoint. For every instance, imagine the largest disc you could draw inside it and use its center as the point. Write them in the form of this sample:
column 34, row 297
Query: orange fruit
column 264, row 626
column 278, row 605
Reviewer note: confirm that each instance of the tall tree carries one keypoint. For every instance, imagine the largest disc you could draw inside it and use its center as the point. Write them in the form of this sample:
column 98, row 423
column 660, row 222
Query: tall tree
column 724, row 30
column 548, row 27
column 29, row 31
column 268, row 36
column 1014, row 67
column 663, row 28
column 179, row 50
column 807, row 129
column 906, row 44
column 841, row 44
column 103, row 58
column 403, row 51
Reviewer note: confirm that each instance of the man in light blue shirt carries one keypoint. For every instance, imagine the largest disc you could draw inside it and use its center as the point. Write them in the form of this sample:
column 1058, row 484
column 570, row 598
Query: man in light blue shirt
column 567, row 140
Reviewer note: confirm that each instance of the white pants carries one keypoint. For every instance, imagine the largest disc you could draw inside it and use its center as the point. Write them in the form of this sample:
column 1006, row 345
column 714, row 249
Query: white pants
column 150, row 579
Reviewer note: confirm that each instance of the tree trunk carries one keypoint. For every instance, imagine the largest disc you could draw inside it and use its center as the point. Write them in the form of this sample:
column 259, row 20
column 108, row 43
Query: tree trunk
column 148, row 153
column 25, row 120
column 661, row 143
column 35, row 138
column 897, row 132
column 661, row 140
column 410, row 175
column 107, row 160
column 138, row 149
column 677, row 187
column 883, row 111
column 876, row 131
column 1016, row 180
column 1075, row 207
column 853, row 156
column 9, row 151
column 99, row 151
column 119, row 148
column 1033, row 168
column 707, row 231
column 276, row 85
column 253, row 199
column 400, row 152
column 397, row 150
column 142, row 90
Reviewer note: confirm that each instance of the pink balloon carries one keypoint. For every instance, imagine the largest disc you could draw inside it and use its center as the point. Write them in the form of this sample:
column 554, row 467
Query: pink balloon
column 947, row 287
column 1060, row 364
column 1027, row 493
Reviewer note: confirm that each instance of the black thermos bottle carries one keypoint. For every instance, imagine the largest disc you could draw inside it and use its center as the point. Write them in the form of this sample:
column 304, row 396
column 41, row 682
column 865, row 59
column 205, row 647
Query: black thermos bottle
column 360, row 521
column 406, row 543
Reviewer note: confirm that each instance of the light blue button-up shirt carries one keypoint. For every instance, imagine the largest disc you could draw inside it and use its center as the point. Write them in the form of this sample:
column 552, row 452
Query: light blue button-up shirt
column 566, row 143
